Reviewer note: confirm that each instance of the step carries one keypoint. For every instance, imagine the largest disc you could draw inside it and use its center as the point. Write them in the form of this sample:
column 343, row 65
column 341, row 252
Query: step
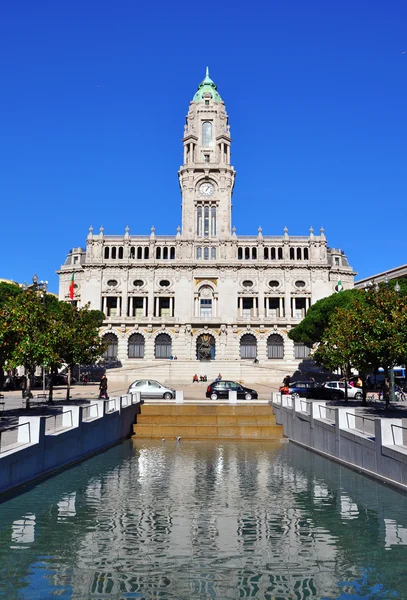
column 273, row 432
column 208, row 409
column 215, row 419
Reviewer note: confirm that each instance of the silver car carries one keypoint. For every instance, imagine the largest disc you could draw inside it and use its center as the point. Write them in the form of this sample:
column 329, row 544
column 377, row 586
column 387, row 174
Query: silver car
column 151, row 389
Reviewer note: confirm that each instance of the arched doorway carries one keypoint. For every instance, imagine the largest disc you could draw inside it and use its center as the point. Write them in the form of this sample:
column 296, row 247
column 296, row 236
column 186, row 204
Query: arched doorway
column 163, row 344
column 205, row 347
column 248, row 346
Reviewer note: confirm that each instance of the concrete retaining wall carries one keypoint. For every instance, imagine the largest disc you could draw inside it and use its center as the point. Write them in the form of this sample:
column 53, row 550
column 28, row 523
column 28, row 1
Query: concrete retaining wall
column 372, row 445
column 47, row 443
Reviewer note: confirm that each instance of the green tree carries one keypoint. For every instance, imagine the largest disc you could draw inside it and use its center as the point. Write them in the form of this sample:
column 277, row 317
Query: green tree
column 77, row 339
column 26, row 324
column 8, row 291
column 312, row 327
column 368, row 334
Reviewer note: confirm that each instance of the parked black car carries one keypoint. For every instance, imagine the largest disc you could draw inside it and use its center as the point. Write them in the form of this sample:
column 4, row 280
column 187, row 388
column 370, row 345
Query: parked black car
column 221, row 389
column 310, row 389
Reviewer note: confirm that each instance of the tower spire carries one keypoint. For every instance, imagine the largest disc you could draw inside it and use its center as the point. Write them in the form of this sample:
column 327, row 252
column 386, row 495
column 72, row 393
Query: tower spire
column 207, row 72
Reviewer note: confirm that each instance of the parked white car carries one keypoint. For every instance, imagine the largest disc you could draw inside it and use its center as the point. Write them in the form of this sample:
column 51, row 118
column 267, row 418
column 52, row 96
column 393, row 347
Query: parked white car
column 150, row 388
column 353, row 392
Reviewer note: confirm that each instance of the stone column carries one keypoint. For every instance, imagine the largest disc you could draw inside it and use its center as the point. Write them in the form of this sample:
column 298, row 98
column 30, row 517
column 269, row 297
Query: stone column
column 281, row 306
column 171, row 306
column 144, row 306
column 157, row 306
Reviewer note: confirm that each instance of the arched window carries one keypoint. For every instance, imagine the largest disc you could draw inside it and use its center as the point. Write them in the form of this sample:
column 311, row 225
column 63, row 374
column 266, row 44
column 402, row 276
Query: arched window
column 206, row 221
column 280, row 254
column 146, row 252
column 172, row 253
column 266, row 253
column 199, row 220
column 275, row 346
column 254, row 253
column 299, row 254
column 213, row 253
column 107, row 252
column 163, row 345
column 110, row 341
column 121, row 252
column 205, row 347
column 136, row 346
column 165, row 253
column 132, row 252
column 272, row 253
column 292, row 257
column 248, row 346
column 301, row 350
column 247, row 253
column 139, row 253
column 206, row 133
column 305, row 253
column 113, row 252
column 158, row 252
column 239, row 253
column 199, row 253
column 206, row 253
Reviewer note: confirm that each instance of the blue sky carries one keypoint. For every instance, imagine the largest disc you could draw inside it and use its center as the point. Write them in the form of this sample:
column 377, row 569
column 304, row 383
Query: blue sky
column 94, row 97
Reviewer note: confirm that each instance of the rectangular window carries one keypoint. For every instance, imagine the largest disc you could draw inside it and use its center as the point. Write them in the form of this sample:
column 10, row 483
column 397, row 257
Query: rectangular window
column 111, row 307
column 164, row 307
column 206, row 157
column 205, row 308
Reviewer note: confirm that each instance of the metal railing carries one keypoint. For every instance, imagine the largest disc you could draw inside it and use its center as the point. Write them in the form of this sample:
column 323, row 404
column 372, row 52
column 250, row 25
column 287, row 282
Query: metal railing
column 11, row 437
column 362, row 424
column 305, row 406
column 328, row 413
column 399, row 438
column 59, row 421
column 89, row 411
column 110, row 405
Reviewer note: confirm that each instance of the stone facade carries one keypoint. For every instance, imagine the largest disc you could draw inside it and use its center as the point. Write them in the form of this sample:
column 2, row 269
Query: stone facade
column 205, row 293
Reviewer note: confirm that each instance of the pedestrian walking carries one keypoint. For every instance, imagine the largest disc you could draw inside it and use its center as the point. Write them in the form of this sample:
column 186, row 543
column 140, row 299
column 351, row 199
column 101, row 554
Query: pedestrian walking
column 103, row 388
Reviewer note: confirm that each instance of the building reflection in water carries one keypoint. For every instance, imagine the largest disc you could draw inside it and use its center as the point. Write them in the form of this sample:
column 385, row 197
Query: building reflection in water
column 205, row 520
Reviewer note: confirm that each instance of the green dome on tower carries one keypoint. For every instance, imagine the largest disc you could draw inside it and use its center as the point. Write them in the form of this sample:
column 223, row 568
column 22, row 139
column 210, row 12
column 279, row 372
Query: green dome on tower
column 207, row 86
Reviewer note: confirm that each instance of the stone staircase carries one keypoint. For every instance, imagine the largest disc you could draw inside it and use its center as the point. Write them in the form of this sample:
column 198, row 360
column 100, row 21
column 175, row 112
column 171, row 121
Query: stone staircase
column 207, row 421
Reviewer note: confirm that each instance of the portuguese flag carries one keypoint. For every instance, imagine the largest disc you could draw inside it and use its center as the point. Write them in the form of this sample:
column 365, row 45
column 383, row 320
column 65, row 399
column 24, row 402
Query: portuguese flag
column 72, row 287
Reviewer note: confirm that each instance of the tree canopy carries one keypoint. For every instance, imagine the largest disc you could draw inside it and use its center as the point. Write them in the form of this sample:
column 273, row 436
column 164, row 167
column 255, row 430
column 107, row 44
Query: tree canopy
column 43, row 331
column 369, row 333
column 312, row 327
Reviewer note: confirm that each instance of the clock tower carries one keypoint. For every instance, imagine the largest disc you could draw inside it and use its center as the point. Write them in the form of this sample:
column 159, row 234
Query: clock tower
column 206, row 177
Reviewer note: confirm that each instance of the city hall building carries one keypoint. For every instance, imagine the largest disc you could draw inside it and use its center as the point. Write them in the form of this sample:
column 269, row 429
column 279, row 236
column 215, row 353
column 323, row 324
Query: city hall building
column 205, row 300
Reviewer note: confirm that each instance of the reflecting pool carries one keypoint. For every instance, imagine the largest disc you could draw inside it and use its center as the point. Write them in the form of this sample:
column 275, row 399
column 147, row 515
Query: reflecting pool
column 198, row 520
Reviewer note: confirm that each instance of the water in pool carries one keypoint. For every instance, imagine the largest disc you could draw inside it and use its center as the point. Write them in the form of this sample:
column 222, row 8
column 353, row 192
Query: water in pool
column 201, row 520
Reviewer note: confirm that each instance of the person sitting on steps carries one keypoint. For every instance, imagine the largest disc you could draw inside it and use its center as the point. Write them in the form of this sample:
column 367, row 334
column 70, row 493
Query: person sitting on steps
column 195, row 378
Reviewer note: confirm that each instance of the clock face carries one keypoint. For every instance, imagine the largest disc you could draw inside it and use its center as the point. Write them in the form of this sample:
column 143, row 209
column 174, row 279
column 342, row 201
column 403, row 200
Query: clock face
column 206, row 189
